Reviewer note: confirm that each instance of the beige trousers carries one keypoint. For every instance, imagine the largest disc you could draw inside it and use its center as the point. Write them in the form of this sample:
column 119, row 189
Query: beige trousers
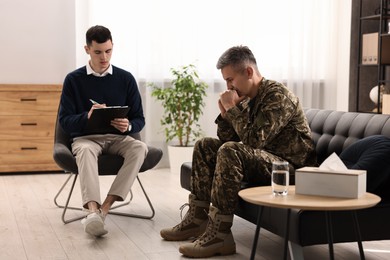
column 86, row 149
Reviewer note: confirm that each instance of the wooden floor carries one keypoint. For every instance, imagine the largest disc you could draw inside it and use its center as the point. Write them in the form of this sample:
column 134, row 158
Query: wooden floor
column 31, row 226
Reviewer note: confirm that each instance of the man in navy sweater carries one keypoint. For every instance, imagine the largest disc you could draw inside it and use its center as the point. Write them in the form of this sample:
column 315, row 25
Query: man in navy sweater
column 97, row 85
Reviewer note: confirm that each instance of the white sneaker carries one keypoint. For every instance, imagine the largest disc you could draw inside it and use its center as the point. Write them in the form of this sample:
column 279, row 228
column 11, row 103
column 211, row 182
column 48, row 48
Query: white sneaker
column 94, row 224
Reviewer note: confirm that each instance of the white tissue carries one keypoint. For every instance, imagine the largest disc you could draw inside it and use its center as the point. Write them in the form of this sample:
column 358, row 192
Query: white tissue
column 333, row 163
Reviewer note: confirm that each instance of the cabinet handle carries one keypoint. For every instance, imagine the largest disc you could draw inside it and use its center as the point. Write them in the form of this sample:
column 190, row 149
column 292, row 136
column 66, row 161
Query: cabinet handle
column 28, row 148
column 28, row 124
column 28, row 99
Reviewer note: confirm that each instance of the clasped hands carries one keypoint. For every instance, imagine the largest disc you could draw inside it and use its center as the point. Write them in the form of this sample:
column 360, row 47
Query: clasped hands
column 228, row 99
column 122, row 124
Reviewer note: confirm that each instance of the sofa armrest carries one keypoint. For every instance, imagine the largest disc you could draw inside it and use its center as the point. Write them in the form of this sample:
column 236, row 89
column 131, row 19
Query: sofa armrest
column 185, row 175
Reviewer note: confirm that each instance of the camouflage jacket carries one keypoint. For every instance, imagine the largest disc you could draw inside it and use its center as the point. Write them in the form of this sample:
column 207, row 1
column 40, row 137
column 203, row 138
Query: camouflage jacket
column 273, row 121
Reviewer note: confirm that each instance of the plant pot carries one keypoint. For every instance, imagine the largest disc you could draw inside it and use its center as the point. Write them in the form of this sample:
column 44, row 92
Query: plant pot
column 178, row 155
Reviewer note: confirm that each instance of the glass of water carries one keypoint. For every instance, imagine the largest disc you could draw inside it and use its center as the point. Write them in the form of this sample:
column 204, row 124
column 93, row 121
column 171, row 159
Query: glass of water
column 280, row 177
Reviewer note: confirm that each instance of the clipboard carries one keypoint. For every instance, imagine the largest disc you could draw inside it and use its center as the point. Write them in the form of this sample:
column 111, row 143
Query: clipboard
column 99, row 122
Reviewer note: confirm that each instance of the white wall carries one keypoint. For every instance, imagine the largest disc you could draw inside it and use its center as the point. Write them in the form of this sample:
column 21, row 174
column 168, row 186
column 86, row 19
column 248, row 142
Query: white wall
column 37, row 40
column 344, row 48
column 40, row 42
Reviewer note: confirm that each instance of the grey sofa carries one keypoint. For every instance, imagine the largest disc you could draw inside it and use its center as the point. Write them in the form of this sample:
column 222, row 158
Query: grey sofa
column 332, row 131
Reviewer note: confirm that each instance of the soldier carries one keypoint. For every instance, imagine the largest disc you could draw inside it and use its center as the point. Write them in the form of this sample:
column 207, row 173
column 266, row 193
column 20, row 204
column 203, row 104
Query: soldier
column 260, row 121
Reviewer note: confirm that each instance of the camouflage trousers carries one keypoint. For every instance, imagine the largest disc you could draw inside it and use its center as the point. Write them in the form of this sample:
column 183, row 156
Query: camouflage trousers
column 218, row 169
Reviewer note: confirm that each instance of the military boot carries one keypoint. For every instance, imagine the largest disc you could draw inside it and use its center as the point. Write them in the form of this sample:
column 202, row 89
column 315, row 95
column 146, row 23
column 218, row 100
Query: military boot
column 216, row 240
column 193, row 224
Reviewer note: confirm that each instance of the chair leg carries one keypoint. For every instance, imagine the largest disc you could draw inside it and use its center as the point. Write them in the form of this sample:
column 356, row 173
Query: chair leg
column 66, row 206
column 59, row 192
column 124, row 203
column 136, row 215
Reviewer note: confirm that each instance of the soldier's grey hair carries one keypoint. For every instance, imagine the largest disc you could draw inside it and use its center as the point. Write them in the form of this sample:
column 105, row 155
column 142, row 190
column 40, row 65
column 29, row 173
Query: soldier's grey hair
column 239, row 57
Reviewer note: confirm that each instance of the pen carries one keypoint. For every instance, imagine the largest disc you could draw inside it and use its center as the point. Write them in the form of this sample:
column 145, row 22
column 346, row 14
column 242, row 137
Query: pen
column 93, row 102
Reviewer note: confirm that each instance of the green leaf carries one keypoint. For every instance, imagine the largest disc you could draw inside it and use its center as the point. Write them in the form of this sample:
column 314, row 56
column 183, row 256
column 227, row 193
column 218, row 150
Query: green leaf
column 183, row 103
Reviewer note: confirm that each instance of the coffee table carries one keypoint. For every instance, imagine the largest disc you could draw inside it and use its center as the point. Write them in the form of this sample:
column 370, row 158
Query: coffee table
column 263, row 196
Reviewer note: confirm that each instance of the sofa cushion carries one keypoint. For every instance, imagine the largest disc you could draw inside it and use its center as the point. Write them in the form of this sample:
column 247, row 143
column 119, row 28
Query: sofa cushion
column 373, row 155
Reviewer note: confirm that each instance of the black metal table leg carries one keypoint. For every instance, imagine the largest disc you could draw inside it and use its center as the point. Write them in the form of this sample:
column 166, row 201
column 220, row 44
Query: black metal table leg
column 358, row 235
column 255, row 239
column 286, row 237
column 329, row 232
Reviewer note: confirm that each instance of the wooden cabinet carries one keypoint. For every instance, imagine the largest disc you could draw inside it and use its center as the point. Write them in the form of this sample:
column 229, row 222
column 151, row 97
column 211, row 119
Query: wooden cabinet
column 27, row 123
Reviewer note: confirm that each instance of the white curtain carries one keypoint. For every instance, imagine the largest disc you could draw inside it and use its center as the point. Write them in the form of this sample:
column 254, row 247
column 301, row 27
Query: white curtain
column 293, row 42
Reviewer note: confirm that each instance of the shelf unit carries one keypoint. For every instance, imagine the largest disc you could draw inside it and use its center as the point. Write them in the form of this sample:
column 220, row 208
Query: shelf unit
column 374, row 17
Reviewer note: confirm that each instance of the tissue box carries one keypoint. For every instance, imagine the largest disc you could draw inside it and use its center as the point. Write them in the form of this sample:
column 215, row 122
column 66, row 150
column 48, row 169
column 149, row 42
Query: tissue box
column 316, row 181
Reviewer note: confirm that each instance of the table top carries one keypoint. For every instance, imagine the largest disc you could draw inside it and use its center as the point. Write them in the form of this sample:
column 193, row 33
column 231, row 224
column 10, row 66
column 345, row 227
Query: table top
column 263, row 196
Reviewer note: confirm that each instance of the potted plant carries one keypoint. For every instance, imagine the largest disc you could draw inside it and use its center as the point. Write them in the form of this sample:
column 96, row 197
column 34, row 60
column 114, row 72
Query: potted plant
column 183, row 105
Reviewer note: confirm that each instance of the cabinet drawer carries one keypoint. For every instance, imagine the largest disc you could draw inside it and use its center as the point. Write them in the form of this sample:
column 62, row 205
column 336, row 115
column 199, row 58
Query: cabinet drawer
column 26, row 151
column 28, row 155
column 27, row 127
column 29, row 103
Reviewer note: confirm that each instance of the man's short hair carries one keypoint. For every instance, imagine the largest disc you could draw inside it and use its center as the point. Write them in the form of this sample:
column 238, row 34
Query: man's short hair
column 239, row 57
column 99, row 34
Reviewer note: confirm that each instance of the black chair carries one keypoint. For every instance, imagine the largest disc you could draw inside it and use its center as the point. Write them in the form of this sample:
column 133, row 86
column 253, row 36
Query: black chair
column 108, row 164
